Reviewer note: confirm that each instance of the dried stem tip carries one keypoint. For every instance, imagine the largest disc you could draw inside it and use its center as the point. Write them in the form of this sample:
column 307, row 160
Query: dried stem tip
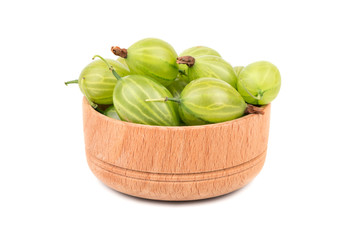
column 188, row 60
column 122, row 52
column 254, row 110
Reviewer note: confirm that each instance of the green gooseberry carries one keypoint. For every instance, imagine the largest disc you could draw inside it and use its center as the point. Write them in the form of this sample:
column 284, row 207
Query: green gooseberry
column 259, row 83
column 194, row 52
column 199, row 51
column 151, row 57
column 209, row 66
column 122, row 61
column 209, row 100
column 129, row 100
column 176, row 87
column 97, row 83
column 111, row 112
column 238, row 70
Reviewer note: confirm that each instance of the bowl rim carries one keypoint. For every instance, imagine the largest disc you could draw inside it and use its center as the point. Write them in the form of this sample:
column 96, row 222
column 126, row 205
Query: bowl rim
column 139, row 125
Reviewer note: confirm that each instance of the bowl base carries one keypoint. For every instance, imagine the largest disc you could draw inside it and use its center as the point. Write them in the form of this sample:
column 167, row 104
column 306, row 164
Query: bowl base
column 176, row 187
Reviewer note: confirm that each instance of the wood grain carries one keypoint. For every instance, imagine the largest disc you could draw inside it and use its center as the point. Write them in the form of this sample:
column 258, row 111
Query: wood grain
column 175, row 163
column 176, row 190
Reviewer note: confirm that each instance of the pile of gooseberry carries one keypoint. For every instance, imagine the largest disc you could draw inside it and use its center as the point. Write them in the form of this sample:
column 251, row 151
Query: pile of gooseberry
column 150, row 84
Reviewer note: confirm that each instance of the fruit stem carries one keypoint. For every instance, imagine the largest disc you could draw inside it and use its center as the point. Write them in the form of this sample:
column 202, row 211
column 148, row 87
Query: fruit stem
column 259, row 95
column 94, row 105
column 71, row 82
column 121, row 52
column 254, row 109
column 188, row 60
column 165, row 99
column 110, row 67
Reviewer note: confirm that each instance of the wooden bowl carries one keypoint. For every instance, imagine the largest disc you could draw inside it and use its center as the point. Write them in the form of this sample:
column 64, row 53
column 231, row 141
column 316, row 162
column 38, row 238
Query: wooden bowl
column 175, row 163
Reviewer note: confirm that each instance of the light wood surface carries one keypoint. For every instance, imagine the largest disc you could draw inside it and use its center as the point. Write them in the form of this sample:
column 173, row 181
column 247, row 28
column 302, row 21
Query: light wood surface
column 175, row 163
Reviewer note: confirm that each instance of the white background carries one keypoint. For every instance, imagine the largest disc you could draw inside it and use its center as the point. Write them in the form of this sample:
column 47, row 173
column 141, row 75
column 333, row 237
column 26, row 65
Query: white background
column 47, row 190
